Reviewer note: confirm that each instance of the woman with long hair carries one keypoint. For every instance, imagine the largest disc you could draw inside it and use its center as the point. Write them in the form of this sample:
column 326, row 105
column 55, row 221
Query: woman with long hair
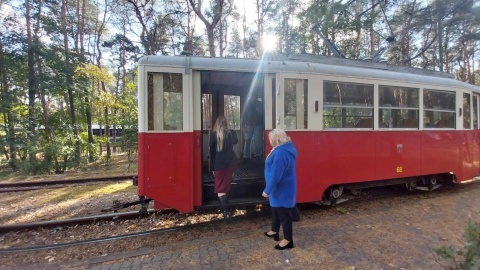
column 224, row 161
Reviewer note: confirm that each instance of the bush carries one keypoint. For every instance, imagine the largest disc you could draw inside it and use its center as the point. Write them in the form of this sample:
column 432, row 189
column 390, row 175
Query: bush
column 467, row 258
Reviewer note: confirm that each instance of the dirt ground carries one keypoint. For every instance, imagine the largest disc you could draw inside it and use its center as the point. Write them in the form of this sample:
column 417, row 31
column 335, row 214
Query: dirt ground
column 414, row 210
column 399, row 232
column 68, row 202
column 78, row 201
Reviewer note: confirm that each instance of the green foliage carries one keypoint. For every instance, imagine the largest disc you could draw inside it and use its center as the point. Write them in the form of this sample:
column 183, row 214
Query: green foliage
column 85, row 146
column 468, row 257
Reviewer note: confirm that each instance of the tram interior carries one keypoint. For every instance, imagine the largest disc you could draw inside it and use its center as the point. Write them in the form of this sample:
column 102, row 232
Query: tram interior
column 239, row 97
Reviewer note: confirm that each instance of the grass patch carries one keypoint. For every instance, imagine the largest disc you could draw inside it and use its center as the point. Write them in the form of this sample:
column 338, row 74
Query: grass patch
column 85, row 192
column 118, row 166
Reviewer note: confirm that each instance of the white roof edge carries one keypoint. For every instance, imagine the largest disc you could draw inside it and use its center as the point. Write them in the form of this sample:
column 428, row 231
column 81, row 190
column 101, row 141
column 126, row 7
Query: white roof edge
column 292, row 66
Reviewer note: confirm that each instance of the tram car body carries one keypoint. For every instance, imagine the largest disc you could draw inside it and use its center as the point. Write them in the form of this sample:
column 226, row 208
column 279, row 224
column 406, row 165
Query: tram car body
column 355, row 124
column 99, row 130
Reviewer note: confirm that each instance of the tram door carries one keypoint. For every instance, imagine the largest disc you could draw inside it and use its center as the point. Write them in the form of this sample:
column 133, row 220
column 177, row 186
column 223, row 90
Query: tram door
column 296, row 108
column 476, row 134
column 232, row 95
column 214, row 105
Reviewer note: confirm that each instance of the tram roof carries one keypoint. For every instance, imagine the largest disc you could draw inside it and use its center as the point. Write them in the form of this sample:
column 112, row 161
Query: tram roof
column 310, row 64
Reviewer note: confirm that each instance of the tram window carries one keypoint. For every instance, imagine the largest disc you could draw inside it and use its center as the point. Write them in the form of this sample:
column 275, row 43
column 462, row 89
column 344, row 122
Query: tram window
column 398, row 107
column 231, row 110
column 207, row 111
column 165, row 101
column 347, row 105
column 438, row 109
column 466, row 111
column 295, row 107
column 475, row 111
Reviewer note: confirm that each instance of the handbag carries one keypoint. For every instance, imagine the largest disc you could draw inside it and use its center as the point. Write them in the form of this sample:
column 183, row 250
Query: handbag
column 295, row 213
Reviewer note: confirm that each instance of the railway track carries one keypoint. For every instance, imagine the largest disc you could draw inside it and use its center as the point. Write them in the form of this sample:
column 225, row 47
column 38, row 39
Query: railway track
column 75, row 221
column 373, row 194
column 35, row 185
column 108, row 238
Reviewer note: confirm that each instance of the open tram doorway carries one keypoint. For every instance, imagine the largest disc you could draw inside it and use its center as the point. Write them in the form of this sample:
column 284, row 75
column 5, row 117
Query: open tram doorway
column 239, row 96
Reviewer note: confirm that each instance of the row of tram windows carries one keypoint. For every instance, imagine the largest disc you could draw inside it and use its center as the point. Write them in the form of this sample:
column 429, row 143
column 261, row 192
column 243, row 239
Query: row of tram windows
column 165, row 104
column 351, row 105
column 345, row 105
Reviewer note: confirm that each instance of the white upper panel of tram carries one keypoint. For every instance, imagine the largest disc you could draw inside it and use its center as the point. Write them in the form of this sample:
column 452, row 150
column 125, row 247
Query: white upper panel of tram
column 310, row 64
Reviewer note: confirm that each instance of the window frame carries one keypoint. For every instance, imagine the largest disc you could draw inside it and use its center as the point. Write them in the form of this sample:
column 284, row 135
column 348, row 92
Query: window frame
column 353, row 82
column 187, row 106
column 454, row 111
column 314, row 90
column 418, row 109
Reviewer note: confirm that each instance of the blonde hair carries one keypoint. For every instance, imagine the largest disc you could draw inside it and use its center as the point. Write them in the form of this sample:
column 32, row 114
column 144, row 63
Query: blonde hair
column 277, row 137
column 220, row 126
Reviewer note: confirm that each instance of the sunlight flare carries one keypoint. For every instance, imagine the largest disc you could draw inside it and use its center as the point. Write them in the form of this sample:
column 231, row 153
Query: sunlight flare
column 269, row 42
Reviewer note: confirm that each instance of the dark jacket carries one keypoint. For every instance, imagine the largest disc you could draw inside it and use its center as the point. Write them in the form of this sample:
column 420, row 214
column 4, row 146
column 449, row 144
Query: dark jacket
column 253, row 115
column 280, row 175
column 226, row 157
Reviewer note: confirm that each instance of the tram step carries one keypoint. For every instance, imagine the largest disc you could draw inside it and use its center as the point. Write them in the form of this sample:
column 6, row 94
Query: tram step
column 240, row 189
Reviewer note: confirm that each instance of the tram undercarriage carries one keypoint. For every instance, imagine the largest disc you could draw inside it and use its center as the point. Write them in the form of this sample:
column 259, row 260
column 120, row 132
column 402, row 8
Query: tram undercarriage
column 341, row 193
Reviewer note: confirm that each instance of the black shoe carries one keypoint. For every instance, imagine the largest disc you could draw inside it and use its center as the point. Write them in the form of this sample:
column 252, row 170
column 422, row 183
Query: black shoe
column 275, row 237
column 288, row 246
column 227, row 218
column 224, row 208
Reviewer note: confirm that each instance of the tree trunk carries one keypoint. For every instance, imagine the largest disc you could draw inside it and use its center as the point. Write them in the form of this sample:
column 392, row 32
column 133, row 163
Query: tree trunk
column 211, row 42
column 32, row 81
column 8, row 116
column 372, row 32
column 210, row 26
column 245, row 31
column 49, row 134
column 88, row 108
column 104, row 89
column 356, row 45
column 69, row 79
column 147, row 46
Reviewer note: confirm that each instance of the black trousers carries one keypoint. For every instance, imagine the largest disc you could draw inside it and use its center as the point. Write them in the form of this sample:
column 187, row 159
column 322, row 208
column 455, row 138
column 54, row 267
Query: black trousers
column 282, row 216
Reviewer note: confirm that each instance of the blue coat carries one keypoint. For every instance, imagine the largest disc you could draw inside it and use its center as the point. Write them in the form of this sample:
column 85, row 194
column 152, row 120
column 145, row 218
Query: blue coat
column 280, row 176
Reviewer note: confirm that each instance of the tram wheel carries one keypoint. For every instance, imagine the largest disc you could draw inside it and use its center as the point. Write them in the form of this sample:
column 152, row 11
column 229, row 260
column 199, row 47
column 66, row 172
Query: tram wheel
column 432, row 181
column 336, row 192
column 410, row 186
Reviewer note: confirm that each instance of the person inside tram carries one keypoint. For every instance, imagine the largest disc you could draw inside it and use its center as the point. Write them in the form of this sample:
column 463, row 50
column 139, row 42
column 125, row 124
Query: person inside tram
column 223, row 160
column 253, row 126
column 258, row 129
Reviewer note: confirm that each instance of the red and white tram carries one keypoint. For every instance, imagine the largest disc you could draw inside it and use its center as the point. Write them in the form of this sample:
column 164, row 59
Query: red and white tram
column 355, row 124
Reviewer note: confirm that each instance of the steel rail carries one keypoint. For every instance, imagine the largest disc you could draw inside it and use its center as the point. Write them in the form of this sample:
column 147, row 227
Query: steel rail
column 66, row 181
column 123, row 236
column 79, row 220
column 90, row 241
column 22, row 189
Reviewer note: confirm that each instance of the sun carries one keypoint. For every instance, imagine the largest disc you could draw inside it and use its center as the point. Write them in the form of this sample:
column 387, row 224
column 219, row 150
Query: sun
column 269, row 42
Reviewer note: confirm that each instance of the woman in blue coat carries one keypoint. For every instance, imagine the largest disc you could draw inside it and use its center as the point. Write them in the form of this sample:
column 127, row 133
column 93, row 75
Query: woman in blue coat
column 281, row 186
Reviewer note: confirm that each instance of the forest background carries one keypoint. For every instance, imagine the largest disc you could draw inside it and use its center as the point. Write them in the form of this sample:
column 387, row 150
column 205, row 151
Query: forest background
column 68, row 64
